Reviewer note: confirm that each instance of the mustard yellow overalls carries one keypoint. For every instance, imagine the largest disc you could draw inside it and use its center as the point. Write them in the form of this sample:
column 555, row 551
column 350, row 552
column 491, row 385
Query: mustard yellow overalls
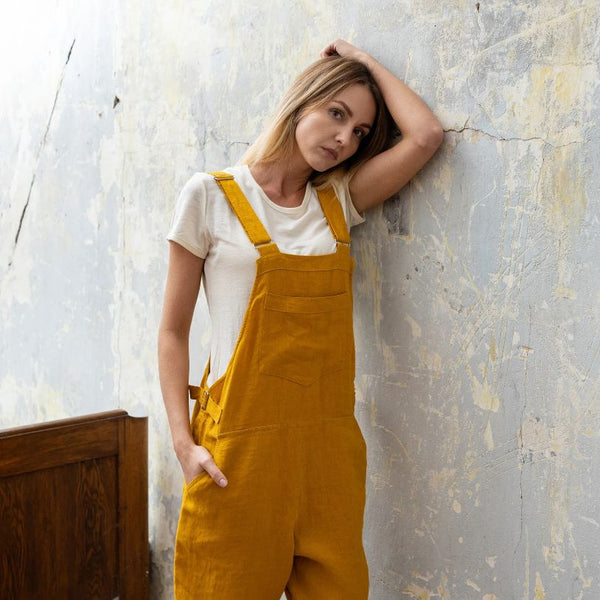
column 280, row 424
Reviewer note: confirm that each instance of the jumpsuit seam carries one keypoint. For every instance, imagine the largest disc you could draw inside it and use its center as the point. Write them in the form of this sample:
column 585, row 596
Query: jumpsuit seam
column 296, row 425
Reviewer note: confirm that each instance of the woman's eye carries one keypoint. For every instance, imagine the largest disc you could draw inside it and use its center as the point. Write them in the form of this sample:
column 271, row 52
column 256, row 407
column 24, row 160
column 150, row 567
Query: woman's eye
column 336, row 113
column 359, row 133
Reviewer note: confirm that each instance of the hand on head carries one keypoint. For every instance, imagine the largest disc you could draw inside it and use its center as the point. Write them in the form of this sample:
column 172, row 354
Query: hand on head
column 341, row 47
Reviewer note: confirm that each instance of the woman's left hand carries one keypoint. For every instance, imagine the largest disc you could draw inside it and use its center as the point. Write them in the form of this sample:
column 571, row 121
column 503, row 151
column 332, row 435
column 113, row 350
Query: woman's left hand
column 343, row 48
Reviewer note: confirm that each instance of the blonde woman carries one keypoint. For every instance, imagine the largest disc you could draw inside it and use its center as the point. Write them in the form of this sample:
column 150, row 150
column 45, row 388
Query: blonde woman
column 274, row 461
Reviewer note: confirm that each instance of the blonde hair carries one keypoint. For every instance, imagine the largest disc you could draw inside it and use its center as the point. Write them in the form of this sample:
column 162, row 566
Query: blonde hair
column 313, row 88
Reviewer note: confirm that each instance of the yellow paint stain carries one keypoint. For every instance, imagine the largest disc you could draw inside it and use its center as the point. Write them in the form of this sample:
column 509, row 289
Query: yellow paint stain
column 490, row 597
column 389, row 359
column 491, row 561
column 562, row 83
column 483, row 395
column 488, row 436
column 414, row 326
column 473, row 473
column 553, row 554
column 473, row 585
column 558, row 82
column 535, row 436
column 560, row 291
column 539, row 588
column 525, row 351
column 432, row 361
column 456, row 507
column 427, row 577
column 416, row 591
column 450, row 252
column 442, row 183
column 442, row 588
column 562, row 185
column 440, row 480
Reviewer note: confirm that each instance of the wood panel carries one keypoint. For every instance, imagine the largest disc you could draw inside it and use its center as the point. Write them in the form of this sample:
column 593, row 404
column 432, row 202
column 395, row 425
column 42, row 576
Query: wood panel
column 78, row 529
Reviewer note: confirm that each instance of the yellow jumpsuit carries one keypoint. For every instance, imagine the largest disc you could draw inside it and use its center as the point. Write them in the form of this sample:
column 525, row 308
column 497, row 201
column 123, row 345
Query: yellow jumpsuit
column 280, row 424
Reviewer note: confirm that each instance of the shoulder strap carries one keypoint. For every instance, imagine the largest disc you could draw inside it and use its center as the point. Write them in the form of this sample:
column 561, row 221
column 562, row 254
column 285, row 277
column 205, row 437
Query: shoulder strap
column 245, row 213
column 335, row 215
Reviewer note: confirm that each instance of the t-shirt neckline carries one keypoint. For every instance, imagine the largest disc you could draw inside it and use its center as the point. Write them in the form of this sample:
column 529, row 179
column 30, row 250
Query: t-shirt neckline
column 288, row 210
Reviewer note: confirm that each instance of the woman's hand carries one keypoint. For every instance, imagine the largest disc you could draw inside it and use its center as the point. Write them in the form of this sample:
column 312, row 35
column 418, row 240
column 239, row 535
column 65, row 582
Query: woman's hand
column 197, row 459
column 345, row 49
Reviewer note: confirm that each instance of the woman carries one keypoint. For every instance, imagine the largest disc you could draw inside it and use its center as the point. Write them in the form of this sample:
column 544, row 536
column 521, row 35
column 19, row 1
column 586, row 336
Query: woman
column 274, row 461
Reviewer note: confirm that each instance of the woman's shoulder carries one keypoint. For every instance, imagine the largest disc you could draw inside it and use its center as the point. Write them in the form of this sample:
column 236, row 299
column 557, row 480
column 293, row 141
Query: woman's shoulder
column 340, row 182
column 196, row 184
column 204, row 179
column 202, row 185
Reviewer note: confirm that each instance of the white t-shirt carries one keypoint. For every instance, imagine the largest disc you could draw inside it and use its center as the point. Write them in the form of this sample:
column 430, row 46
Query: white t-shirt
column 205, row 224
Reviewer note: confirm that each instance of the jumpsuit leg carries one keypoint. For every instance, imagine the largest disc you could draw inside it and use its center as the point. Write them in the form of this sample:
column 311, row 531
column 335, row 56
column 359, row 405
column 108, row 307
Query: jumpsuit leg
column 330, row 563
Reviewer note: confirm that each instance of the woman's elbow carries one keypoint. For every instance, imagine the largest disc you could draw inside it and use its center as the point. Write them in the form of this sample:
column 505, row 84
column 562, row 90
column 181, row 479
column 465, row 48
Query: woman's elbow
column 430, row 138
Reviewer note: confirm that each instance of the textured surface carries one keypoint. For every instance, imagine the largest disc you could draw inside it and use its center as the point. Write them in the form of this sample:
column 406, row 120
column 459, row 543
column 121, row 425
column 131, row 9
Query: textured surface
column 477, row 288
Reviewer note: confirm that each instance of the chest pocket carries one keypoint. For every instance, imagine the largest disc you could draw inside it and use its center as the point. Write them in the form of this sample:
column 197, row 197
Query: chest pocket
column 304, row 338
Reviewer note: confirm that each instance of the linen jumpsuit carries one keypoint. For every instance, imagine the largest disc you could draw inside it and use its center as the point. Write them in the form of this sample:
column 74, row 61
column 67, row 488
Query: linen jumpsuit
column 280, row 424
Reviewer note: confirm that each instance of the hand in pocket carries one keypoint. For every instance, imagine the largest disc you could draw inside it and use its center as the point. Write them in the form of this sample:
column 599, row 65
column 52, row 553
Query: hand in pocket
column 199, row 460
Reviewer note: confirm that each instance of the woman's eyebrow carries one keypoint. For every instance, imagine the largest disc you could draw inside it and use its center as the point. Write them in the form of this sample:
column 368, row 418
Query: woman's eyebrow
column 350, row 113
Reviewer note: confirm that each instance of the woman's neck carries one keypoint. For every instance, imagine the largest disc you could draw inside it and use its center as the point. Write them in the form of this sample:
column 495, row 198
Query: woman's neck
column 283, row 182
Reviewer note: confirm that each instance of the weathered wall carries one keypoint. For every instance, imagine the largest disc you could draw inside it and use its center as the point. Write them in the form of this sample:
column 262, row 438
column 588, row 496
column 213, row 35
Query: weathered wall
column 477, row 288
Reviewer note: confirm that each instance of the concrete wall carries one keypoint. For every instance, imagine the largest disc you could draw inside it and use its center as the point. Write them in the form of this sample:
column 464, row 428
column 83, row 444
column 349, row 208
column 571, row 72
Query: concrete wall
column 477, row 288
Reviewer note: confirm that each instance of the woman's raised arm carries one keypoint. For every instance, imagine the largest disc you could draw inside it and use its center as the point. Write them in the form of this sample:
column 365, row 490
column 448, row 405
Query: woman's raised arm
column 383, row 175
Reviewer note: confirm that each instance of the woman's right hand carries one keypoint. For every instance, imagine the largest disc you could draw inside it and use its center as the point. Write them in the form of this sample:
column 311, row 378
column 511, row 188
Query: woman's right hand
column 197, row 459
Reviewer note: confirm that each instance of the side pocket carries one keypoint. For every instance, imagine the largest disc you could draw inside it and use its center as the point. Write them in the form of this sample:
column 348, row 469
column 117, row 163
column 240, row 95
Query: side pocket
column 203, row 476
column 200, row 477
column 204, row 433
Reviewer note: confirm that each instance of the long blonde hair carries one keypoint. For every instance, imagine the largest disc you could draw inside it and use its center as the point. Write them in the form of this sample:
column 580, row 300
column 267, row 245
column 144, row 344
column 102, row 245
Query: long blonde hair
column 313, row 88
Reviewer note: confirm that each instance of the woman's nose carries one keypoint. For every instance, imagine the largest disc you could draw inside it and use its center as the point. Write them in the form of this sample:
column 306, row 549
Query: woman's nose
column 343, row 136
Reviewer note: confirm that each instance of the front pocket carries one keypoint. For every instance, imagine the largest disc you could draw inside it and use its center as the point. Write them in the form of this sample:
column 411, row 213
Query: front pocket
column 203, row 476
column 204, row 433
column 303, row 338
column 196, row 480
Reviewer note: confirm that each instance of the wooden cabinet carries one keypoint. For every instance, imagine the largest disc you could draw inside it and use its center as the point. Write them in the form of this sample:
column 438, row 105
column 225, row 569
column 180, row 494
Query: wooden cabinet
column 74, row 509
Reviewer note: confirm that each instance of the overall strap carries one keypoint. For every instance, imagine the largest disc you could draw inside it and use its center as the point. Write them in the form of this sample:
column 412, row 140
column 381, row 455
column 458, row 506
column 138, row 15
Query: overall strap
column 204, row 400
column 335, row 215
column 245, row 213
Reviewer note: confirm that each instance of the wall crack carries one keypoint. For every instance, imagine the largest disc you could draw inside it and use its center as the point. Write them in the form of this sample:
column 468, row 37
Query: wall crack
column 39, row 153
column 509, row 139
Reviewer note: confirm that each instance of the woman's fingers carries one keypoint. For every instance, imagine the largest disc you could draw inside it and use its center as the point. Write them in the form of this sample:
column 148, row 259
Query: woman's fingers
column 210, row 466
column 201, row 460
column 341, row 47
column 329, row 50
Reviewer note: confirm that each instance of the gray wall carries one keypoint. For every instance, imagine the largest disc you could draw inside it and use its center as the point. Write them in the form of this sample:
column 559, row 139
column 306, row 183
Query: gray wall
column 477, row 288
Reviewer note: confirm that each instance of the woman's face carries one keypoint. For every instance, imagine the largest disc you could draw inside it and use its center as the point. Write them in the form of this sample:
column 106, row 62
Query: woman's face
column 330, row 134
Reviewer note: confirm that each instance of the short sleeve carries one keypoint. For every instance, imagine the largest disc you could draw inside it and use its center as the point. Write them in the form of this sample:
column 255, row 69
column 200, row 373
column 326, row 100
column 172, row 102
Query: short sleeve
column 189, row 226
column 342, row 190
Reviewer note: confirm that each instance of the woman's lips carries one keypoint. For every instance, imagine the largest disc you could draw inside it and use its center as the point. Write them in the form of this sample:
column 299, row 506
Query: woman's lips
column 331, row 152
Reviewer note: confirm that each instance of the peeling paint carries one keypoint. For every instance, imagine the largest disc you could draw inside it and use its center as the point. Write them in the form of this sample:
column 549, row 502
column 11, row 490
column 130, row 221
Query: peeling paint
column 484, row 397
column 539, row 588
